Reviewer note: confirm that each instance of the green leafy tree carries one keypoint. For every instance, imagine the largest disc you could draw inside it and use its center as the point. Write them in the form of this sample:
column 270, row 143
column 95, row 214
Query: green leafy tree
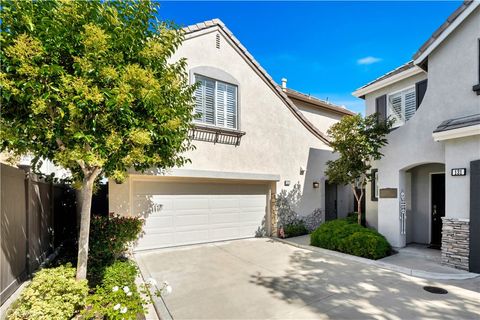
column 357, row 141
column 89, row 86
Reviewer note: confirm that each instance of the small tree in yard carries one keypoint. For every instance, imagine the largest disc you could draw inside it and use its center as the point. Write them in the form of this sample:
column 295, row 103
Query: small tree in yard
column 87, row 85
column 357, row 141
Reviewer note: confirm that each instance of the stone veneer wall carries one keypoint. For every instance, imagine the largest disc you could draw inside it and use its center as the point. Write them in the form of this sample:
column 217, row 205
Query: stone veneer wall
column 455, row 243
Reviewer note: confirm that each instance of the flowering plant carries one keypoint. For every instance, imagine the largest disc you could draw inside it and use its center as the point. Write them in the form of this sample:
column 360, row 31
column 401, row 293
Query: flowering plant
column 117, row 297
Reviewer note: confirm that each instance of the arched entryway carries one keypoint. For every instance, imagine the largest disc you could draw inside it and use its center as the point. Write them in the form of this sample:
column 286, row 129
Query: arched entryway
column 425, row 202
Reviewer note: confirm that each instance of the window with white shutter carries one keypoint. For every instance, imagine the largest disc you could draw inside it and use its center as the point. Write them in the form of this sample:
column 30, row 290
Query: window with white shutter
column 216, row 102
column 401, row 106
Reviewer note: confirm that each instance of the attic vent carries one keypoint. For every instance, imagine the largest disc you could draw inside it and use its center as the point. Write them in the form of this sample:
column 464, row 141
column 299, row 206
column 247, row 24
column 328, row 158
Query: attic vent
column 217, row 41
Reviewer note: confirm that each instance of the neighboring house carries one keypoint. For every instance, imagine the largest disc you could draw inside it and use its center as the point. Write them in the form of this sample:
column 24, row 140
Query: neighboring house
column 253, row 140
column 430, row 171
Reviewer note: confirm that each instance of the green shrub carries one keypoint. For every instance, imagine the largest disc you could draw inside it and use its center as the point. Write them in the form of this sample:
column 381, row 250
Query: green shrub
column 53, row 294
column 352, row 217
column 117, row 297
column 295, row 229
column 109, row 240
column 344, row 236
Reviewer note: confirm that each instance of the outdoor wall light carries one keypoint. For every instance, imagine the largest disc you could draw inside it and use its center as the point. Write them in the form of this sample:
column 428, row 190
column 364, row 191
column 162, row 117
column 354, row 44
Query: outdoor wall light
column 286, row 183
column 316, row 184
column 302, row 171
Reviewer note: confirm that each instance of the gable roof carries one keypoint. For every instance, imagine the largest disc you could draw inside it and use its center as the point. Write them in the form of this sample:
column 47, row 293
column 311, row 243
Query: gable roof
column 404, row 71
column 412, row 67
column 217, row 24
column 452, row 22
column 318, row 103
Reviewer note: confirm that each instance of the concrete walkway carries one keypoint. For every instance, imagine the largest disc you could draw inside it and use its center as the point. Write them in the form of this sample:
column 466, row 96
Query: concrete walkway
column 266, row 279
column 415, row 260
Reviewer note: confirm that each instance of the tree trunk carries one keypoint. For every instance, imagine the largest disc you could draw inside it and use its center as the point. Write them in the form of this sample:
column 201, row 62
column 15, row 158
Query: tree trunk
column 359, row 206
column 358, row 198
column 86, row 204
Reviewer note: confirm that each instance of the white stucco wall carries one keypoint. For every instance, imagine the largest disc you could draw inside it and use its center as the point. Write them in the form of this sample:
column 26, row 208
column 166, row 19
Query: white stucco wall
column 320, row 118
column 275, row 141
column 458, row 154
column 452, row 71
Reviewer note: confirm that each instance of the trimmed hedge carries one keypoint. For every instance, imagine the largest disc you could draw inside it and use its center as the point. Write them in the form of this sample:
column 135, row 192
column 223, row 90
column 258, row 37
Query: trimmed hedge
column 344, row 236
column 295, row 229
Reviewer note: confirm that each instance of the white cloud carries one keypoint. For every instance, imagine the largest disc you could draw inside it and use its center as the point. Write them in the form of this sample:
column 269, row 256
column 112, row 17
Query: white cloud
column 368, row 60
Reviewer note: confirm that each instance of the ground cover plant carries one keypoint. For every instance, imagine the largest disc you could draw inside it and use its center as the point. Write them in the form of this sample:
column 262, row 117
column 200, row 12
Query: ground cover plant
column 345, row 235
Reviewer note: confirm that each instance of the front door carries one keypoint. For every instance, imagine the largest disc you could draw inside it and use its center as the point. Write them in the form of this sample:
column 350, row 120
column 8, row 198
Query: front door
column 438, row 208
column 330, row 201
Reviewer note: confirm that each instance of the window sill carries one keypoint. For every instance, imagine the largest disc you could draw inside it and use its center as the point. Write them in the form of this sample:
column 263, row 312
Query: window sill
column 476, row 88
column 220, row 135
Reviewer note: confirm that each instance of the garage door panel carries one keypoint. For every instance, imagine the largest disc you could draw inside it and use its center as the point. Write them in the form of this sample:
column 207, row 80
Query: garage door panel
column 188, row 203
column 250, row 218
column 224, row 218
column 248, row 231
column 252, row 201
column 191, row 236
column 224, row 203
column 210, row 212
column 159, row 222
column 157, row 240
column 191, row 220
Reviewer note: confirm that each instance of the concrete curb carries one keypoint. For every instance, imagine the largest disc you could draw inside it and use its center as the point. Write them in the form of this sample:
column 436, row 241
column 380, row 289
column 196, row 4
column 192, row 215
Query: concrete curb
column 384, row 265
column 159, row 305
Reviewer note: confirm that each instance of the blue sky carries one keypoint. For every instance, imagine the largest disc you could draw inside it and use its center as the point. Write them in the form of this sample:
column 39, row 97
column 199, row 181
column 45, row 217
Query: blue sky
column 326, row 49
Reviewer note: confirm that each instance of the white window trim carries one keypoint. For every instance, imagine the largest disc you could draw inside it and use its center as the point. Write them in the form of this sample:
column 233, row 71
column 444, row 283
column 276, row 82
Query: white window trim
column 377, row 189
column 390, row 108
column 225, row 126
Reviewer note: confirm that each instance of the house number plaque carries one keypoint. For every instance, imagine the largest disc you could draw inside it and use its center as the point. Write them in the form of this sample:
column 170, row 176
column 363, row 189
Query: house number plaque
column 458, row 172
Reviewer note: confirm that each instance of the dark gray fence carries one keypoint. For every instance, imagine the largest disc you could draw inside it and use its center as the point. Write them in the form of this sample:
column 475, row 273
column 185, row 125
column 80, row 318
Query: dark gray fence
column 36, row 216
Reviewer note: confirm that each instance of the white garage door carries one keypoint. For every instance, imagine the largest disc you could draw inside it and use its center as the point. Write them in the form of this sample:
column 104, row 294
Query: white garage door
column 188, row 213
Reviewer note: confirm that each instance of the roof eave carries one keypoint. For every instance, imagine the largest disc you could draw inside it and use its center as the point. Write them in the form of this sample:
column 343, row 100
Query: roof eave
column 215, row 24
column 362, row 92
column 444, row 32
column 320, row 105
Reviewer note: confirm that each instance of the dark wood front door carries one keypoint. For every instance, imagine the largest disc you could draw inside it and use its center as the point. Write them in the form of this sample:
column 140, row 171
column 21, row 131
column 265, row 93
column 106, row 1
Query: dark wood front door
column 330, row 201
column 437, row 207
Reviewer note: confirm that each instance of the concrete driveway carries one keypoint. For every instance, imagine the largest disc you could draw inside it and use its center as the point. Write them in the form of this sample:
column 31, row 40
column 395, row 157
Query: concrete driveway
column 265, row 279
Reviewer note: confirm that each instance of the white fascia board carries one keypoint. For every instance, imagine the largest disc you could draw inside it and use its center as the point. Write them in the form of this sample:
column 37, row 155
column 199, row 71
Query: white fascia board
column 203, row 174
column 388, row 81
column 447, row 32
column 457, row 133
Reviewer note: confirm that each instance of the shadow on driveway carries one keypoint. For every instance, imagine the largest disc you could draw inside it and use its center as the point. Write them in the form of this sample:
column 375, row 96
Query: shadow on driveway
column 265, row 279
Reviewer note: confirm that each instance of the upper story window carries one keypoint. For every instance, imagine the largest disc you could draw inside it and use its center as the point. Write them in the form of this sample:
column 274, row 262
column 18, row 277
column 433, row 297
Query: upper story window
column 401, row 105
column 216, row 103
column 476, row 87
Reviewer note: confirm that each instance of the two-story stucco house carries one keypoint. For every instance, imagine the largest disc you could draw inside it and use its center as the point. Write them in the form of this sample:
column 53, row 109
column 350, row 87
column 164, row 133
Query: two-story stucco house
column 426, row 188
column 254, row 139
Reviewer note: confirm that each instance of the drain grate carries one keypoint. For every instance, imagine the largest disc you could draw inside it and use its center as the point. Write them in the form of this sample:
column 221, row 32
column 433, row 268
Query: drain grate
column 435, row 290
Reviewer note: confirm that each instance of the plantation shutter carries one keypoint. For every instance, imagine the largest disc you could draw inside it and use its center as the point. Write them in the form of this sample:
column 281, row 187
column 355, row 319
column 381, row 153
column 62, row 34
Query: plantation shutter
column 216, row 103
column 420, row 89
column 395, row 108
column 410, row 104
column 231, row 110
column 205, row 100
column 381, row 108
column 221, row 103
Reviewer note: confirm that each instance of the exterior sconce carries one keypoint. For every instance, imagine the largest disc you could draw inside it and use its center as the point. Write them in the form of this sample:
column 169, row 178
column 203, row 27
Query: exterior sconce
column 302, row 171
column 286, row 183
column 316, row 185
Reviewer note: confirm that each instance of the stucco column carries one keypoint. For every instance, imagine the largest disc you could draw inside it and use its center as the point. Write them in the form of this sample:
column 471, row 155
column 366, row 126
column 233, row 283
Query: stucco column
column 389, row 223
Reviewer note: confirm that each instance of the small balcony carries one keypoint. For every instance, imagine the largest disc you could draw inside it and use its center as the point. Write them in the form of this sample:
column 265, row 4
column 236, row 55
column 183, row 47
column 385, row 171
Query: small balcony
column 216, row 135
